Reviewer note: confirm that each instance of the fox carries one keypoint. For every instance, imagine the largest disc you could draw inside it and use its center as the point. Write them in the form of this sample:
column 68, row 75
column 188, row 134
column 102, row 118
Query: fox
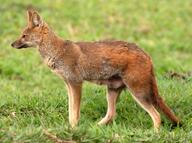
column 116, row 64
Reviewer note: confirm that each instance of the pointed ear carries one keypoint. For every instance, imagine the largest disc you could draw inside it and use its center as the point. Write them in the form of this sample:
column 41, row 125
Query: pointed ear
column 29, row 14
column 34, row 19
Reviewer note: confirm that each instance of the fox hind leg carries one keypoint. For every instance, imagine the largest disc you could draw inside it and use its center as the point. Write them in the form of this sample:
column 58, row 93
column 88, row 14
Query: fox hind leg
column 149, row 108
column 112, row 96
column 141, row 92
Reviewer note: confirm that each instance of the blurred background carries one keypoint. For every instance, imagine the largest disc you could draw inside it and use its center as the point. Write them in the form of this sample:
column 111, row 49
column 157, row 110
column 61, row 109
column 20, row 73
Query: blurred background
column 33, row 99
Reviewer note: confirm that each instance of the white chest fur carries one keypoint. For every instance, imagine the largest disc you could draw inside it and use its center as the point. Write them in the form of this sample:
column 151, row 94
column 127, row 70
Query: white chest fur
column 64, row 71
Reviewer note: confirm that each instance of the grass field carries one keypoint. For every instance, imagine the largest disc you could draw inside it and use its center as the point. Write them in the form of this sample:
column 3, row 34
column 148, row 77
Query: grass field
column 33, row 101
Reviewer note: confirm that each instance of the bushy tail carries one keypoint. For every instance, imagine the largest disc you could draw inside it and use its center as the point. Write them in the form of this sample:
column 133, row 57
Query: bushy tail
column 158, row 101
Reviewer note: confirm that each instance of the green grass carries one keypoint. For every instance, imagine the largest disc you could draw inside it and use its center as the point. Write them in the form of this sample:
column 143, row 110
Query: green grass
column 32, row 99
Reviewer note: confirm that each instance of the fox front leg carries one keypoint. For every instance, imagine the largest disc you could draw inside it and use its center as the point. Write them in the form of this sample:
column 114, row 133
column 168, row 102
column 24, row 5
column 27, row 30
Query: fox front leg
column 74, row 99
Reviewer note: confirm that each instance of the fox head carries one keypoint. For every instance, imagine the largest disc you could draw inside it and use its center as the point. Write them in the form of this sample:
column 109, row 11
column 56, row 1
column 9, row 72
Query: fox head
column 33, row 33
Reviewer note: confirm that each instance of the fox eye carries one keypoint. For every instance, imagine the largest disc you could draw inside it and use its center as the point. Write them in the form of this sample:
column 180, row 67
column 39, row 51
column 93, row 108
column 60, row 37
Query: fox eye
column 24, row 35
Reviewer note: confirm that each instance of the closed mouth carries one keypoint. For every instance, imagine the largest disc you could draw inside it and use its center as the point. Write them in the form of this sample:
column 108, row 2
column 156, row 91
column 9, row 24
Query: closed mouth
column 22, row 46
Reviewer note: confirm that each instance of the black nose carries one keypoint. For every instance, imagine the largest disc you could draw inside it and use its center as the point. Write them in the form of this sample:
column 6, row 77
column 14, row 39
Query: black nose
column 12, row 44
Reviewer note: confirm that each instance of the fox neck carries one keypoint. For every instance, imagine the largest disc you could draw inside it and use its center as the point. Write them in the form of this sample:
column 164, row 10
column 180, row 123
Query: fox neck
column 50, row 45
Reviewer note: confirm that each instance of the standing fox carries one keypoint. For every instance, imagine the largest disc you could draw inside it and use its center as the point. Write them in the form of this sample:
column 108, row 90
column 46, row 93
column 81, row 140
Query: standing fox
column 116, row 64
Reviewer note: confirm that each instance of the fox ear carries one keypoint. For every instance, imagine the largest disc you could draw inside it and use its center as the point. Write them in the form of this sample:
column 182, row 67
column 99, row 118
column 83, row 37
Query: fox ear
column 29, row 14
column 34, row 19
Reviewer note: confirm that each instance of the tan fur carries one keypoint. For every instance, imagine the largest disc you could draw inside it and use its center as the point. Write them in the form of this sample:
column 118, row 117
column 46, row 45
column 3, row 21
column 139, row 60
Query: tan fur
column 116, row 64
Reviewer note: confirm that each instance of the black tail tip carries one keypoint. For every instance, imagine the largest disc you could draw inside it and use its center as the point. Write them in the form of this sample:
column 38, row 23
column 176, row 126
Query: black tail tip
column 175, row 125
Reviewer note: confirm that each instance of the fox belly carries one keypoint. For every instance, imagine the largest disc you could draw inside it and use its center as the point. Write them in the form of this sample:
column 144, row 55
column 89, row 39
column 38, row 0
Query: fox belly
column 113, row 82
column 100, row 75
